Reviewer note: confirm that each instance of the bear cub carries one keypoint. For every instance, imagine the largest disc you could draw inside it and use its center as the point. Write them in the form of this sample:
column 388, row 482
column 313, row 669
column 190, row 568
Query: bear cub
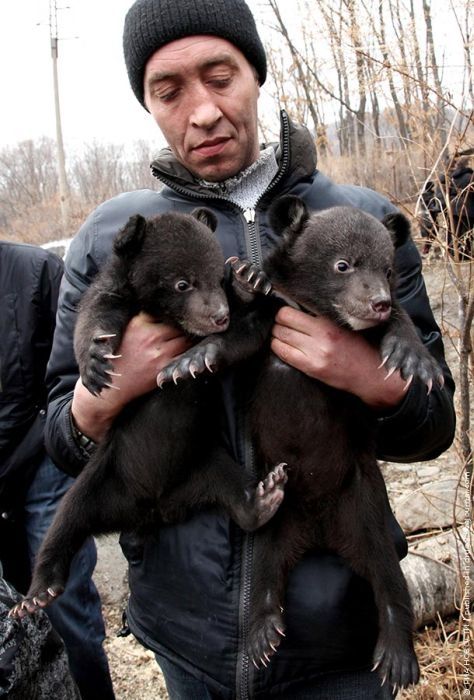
column 162, row 454
column 337, row 263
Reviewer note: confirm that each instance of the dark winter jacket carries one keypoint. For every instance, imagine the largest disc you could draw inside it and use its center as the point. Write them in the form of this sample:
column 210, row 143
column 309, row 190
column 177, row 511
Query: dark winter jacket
column 29, row 287
column 190, row 582
column 462, row 194
column 448, row 204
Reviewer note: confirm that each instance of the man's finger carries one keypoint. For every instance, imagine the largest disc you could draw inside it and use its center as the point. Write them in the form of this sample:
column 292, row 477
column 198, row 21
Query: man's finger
column 299, row 320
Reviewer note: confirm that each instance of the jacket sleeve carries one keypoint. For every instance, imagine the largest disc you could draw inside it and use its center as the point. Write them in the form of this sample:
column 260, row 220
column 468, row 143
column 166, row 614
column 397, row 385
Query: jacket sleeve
column 47, row 293
column 62, row 372
column 31, row 281
column 423, row 426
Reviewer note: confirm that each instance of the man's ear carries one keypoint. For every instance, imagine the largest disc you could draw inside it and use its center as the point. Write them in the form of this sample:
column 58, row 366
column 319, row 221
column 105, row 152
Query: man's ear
column 288, row 216
column 399, row 228
column 130, row 239
column 206, row 217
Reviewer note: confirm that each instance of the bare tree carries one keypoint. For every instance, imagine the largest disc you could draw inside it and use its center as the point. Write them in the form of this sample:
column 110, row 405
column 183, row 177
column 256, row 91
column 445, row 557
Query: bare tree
column 402, row 126
column 298, row 63
column 356, row 41
column 432, row 63
column 137, row 172
column 28, row 175
column 98, row 173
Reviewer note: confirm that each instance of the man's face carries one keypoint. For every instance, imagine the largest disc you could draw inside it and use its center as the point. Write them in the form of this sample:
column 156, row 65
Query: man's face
column 202, row 93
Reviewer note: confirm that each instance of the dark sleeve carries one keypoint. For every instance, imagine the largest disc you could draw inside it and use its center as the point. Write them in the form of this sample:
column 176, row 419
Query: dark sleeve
column 423, row 426
column 47, row 292
column 62, row 373
column 30, row 283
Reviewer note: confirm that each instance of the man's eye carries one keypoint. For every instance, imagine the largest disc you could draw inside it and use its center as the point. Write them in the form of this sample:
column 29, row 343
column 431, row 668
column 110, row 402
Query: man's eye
column 220, row 83
column 165, row 93
column 167, row 96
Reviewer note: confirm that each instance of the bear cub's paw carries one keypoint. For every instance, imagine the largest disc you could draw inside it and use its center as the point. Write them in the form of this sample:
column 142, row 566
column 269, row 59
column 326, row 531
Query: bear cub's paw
column 396, row 663
column 265, row 638
column 265, row 499
column 97, row 368
column 33, row 603
column 198, row 360
column 249, row 277
column 413, row 361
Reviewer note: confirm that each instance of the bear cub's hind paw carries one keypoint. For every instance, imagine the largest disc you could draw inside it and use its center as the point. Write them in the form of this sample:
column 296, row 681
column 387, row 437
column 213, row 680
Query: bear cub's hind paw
column 265, row 638
column 270, row 494
column 262, row 503
column 396, row 664
column 32, row 604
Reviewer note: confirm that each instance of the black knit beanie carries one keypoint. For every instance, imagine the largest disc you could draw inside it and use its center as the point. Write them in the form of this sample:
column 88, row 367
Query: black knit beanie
column 150, row 24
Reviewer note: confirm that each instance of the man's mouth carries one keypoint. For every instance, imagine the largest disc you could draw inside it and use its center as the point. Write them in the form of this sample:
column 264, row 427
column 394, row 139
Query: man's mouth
column 211, row 147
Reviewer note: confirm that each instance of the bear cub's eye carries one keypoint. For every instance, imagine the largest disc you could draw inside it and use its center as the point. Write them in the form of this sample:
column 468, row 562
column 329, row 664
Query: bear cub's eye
column 388, row 272
column 342, row 266
column 182, row 286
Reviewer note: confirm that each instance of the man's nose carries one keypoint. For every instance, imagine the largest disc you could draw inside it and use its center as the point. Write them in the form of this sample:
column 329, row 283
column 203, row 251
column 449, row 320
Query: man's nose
column 205, row 113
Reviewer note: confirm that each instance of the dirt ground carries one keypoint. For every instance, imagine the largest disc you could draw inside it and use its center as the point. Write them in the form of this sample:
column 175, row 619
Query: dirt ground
column 136, row 675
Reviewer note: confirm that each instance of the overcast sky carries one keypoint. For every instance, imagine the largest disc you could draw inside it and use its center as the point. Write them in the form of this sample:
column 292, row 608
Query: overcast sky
column 96, row 100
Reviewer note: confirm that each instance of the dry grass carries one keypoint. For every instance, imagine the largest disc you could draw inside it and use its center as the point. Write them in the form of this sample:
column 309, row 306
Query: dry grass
column 446, row 656
column 42, row 223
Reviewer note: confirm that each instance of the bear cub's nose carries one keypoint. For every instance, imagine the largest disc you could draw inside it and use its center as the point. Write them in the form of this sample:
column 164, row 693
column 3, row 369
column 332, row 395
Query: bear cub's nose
column 380, row 305
column 221, row 318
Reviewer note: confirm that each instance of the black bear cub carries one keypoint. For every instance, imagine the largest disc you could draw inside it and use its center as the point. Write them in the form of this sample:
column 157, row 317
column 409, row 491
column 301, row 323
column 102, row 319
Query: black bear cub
column 337, row 263
column 161, row 455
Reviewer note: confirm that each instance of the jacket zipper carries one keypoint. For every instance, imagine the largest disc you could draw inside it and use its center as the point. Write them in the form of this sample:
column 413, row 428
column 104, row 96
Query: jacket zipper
column 244, row 674
column 254, row 250
column 244, row 669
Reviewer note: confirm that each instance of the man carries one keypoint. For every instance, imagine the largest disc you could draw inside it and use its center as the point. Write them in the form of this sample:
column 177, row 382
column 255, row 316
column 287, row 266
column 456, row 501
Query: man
column 448, row 203
column 31, row 486
column 197, row 68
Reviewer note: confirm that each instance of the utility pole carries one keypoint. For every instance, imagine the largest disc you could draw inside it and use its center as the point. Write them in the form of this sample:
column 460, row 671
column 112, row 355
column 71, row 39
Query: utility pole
column 63, row 185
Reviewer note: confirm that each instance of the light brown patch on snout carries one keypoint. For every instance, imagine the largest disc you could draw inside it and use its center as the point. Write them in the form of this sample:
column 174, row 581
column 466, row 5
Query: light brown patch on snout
column 206, row 314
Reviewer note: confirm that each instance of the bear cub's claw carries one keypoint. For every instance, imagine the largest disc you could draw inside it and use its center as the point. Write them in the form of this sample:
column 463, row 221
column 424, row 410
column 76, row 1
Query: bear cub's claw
column 249, row 276
column 265, row 639
column 396, row 664
column 413, row 362
column 270, row 493
column 33, row 603
column 197, row 360
column 97, row 371
column 262, row 502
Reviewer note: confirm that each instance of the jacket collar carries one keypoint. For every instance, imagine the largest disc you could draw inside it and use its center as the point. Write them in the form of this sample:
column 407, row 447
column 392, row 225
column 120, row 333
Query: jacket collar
column 295, row 154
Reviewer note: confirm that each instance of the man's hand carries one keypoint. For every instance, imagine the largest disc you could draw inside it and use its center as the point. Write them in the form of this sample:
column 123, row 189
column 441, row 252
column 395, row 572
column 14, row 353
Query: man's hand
column 147, row 347
column 338, row 357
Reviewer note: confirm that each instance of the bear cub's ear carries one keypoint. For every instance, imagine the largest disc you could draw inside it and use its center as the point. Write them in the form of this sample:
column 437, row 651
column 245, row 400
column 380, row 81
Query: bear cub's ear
column 399, row 228
column 206, row 217
column 288, row 215
column 129, row 240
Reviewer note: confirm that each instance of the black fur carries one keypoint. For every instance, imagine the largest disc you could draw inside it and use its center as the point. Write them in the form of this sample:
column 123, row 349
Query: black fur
column 337, row 263
column 161, row 456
